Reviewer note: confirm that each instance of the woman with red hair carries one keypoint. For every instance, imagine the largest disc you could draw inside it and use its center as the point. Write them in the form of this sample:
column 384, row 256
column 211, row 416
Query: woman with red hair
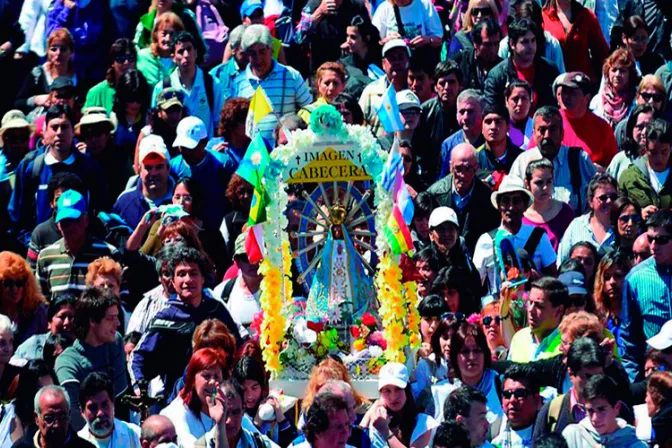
column 189, row 412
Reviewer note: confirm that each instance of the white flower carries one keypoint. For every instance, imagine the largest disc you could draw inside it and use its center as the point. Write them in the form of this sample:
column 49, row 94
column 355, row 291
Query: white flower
column 302, row 334
column 375, row 351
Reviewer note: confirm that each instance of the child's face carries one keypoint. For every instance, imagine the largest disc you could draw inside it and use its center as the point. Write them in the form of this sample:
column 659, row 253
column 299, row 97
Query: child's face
column 603, row 415
column 252, row 391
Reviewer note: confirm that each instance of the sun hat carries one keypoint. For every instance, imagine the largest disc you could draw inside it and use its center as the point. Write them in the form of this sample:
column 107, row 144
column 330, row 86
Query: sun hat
column 511, row 184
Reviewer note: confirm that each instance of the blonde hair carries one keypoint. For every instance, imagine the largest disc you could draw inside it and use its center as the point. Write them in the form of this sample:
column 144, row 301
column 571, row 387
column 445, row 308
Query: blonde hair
column 103, row 266
column 14, row 267
column 166, row 18
column 653, row 81
column 324, row 372
column 468, row 22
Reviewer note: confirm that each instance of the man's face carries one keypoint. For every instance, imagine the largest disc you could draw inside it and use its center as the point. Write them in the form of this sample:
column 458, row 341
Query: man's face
column 488, row 48
column 421, row 84
column 572, row 100
column 463, row 170
column 542, row 316
column 185, row 55
column 73, row 229
column 495, row 129
column 603, row 415
column 164, row 432
column 519, row 403
column 96, row 137
column 154, row 174
column 16, row 142
column 444, row 236
column 447, row 89
column 580, row 379
column 188, row 281
column 659, row 155
column 338, row 433
column 469, row 116
column 659, row 241
column 53, row 419
column 234, row 417
column 98, row 411
column 511, row 207
column 256, row 18
column 548, row 135
column 525, row 48
column 172, row 116
column 260, row 57
column 106, row 330
column 395, row 64
column 428, row 276
column 476, row 424
column 58, row 134
column 410, row 117
column 641, row 249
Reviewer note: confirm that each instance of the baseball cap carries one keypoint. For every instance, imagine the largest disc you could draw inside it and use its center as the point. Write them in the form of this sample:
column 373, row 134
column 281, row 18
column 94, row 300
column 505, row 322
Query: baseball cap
column 190, row 131
column 574, row 80
column 168, row 98
column 406, row 99
column 62, row 82
column 153, row 144
column 70, row 205
column 249, row 7
column 574, row 281
column 442, row 214
column 395, row 43
column 393, row 374
column 239, row 245
column 663, row 340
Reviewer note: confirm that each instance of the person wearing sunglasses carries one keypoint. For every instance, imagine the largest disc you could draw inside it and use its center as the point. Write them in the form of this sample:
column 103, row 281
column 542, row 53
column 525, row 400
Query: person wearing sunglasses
column 646, row 297
column 626, row 218
column 121, row 58
column 647, row 181
column 594, row 227
column 652, row 91
column 477, row 12
column 491, row 323
column 521, row 403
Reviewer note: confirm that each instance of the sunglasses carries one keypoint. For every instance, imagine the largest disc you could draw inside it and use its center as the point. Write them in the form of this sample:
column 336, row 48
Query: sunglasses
column 651, row 96
column 13, row 283
column 481, row 12
column 123, row 58
column 659, row 240
column 453, row 316
column 487, row 320
column 604, row 197
column 518, row 393
column 627, row 218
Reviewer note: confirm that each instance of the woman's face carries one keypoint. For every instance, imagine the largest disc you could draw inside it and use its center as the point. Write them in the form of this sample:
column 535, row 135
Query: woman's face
column 651, row 95
column 480, row 11
column 639, row 131
column 650, row 405
column 604, row 196
column 619, row 78
column 11, row 290
column 107, row 282
column 6, row 346
column 163, row 37
column 123, row 63
column 628, row 223
column 444, row 343
column 133, row 107
column 253, row 392
column 493, row 329
column 330, row 85
column 59, row 53
column 346, row 114
column 637, row 43
column 354, row 42
column 393, row 398
column 207, row 381
column 471, row 360
column 244, row 193
column 541, row 186
column 63, row 321
column 613, row 282
column 183, row 198
column 585, row 256
column 452, row 298
column 407, row 157
column 428, row 326
column 519, row 104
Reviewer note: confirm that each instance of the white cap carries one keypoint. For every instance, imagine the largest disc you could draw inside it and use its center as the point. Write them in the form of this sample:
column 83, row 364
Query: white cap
column 663, row 340
column 153, row 144
column 406, row 99
column 442, row 214
column 393, row 374
column 511, row 184
column 190, row 131
column 395, row 43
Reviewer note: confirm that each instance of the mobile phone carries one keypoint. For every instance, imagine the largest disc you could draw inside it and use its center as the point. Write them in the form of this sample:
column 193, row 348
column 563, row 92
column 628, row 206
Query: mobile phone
column 214, row 396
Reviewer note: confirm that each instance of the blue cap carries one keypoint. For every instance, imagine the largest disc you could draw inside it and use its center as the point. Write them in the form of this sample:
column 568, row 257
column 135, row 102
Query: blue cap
column 70, row 205
column 249, row 7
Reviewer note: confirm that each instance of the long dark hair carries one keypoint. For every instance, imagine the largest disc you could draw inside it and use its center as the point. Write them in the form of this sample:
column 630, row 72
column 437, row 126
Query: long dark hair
column 453, row 277
column 530, row 9
column 371, row 36
column 406, row 418
column 120, row 47
column 131, row 87
column 27, row 387
column 629, row 145
column 459, row 339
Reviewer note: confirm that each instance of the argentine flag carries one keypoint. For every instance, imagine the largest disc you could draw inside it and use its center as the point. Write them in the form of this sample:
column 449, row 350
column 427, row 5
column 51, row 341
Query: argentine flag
column 388, row 112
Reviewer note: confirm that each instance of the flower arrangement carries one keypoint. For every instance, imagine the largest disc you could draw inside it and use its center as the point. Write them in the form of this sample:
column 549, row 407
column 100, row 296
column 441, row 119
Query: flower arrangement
column 392, row 307
column 273, row 325
column 366, row 333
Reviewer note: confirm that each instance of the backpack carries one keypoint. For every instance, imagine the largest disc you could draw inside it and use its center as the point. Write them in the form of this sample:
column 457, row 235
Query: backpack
column 554, row 413
column 209, row 88
column 215, row 33
column 226, row 292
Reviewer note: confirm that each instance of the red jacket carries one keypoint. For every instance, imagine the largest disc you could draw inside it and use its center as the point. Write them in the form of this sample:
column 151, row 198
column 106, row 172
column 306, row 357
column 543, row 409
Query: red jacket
column 583, row 39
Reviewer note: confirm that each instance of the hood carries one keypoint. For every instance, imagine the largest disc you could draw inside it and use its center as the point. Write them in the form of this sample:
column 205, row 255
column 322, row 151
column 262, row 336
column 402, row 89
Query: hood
column 625, row 436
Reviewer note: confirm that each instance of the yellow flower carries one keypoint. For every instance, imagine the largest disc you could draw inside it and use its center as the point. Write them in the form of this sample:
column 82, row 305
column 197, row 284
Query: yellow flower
column 359, row 345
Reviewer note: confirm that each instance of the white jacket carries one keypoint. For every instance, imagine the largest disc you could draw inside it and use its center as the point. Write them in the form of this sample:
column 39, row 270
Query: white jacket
column 33, row 22
column 125, row 435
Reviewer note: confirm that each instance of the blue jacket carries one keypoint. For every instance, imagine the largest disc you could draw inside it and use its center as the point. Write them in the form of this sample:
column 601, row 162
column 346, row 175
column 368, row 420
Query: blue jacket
column 131, row 205
column 169, row 338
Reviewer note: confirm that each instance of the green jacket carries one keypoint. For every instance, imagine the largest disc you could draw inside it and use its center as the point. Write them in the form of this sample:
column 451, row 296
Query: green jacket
column 143, row 32
column 636, row 184
column 101, row 95
column 151, row 68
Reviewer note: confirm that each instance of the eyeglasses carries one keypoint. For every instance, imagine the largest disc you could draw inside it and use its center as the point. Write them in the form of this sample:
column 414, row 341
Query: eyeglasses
column 453, row 316
column 604, row 197
column 510, row 200
column 487, row 320
column 481, row 12
column 50, row 419
column 627, row 218
column 517, row 393
column 464, row 169
column 123, row 58
column 659, row 240
column 657, row 97
column 410, row 112
column 13, row 283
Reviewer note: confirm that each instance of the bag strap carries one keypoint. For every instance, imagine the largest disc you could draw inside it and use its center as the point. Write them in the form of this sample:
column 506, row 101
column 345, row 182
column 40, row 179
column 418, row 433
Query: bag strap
column 400, row 24
column 554, row 412
column 533, row 241
column 226, row 292
column 38, row 163
column 209, row 90
column 573, row 158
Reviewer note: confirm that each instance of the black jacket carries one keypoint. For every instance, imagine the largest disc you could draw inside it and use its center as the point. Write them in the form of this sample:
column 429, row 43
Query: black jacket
column 505, row 72
column 74, row 441
column 477, row 217
column 471, row 77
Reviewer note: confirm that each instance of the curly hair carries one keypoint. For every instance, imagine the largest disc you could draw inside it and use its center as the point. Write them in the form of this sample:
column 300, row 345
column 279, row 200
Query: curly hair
column 622, row 58
column 581, row 324
column 234, row 112
column 328, row 369
column 14, row 267
column 103, row 266
column 232, row 193
column 660, row 388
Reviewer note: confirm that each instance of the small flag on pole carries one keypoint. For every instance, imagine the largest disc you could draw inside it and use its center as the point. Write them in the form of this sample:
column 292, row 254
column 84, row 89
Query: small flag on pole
column 255, row 161
column 388, row 112
column 397, row 233
column 260, row 106
column 396, row 229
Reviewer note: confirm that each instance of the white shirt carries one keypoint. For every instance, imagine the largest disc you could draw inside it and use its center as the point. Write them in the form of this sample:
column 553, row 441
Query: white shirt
column 423, row 424
column 511, row 438
column 419, row 18
column 243, row 306
column 125, row 435
column 188, row 426
column 658, row 179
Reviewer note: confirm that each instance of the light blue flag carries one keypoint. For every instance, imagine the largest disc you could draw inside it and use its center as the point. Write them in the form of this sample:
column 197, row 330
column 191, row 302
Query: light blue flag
column 388, row 112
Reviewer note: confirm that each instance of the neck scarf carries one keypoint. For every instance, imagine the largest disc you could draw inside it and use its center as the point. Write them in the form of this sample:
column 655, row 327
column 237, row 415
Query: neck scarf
column 616, row 106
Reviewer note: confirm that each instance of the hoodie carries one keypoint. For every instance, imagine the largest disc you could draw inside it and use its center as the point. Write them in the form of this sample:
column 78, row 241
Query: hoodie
column 584, row 435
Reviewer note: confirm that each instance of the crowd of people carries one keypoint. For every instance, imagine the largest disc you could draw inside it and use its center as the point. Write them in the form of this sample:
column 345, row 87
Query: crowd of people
column 127, row 298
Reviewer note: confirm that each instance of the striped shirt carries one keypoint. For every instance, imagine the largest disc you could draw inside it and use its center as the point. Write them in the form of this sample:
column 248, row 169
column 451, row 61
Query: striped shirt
column 152, row 302
column 579, row 230
column 60, row 271
column 647, row 305
column 284, row 87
